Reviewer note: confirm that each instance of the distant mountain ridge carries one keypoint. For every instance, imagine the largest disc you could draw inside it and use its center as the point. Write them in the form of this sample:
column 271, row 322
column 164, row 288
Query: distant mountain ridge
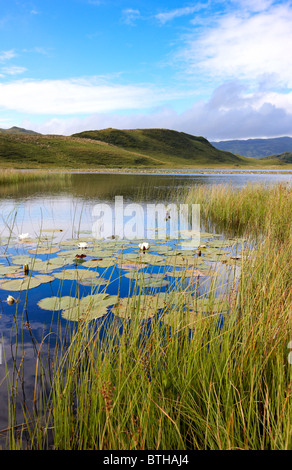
column 256, row 148
column 18, row 130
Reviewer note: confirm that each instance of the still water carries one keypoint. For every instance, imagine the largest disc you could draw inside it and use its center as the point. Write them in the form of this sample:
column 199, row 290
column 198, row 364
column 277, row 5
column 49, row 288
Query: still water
column 36, row 208
column 69, row 206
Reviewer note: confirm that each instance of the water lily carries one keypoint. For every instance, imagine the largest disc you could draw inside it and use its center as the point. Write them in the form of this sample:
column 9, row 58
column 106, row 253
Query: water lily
column 144, row 246
column 82, row 245
column 10, row 300
column 23, row 236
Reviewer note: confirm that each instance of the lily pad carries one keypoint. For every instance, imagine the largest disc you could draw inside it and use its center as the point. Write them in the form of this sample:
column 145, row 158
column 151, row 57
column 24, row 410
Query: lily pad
column 44, row 251
column 184, row 261
column 132, row 265
column 142, row 307
column 44, row 278
column 21, row 284
column 51, row 230
column 24, row 259
column 90, row 307
column 92, row 263
column 8, row 270
column 76, row 274
column 57, row 303
column 106, row 263
column 95, row 282
column 187, row 273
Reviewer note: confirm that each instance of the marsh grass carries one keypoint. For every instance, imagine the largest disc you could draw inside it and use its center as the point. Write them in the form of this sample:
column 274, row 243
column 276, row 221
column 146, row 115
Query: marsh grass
column 11, row 176
column 215, row 380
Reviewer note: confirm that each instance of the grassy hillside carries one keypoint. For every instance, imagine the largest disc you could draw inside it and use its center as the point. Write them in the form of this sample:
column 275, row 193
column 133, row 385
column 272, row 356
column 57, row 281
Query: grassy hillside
column 113, row 148
column 29, row 151
column 256, row 148
column 172, row 148
column 17, row 130
column 282, row 159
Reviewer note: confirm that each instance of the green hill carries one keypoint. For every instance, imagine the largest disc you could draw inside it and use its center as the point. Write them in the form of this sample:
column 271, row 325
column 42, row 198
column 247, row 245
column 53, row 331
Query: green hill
column 167, row 147
column 17, row 130
column 114, row 148
column 282, row 159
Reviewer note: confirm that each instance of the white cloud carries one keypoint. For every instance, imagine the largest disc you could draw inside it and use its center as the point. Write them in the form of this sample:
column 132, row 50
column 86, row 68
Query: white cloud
column 230, row 113
column 78, row 96
column 129, row 16
column 7, row 55
column 13, row 70
column 164, row 17
column 243, row 45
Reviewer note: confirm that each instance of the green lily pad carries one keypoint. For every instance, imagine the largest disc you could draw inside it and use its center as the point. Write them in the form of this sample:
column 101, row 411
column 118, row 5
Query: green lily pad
column 69, row 253
column 21, row 284
column 90, row 307
column 76, row 274
column 57, row 303
column 24, row 259
column 44, row 251
column 94, row 282
column 51, row 230
column 44, row 278
column 106, row 263
column 187, row 273
column 184, row 261
column 131, row 265
column 92, row 263
column 142, row 307
column 8, row 270
column 55, row 263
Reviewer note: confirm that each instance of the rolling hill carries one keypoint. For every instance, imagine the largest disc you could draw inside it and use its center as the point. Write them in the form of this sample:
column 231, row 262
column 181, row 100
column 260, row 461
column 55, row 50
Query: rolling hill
column 112, row 148
column 166, row 147
column 116, row 148
column 256, row 148
column 282, row 159
column 18, row 130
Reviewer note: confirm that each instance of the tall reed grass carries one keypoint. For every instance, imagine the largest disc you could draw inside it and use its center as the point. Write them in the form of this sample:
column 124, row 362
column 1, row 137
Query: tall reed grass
column 224, row 383
column 11, row 176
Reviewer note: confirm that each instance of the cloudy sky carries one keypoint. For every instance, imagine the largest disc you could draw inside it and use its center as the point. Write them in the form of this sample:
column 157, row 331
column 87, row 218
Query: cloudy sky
column 220, row 69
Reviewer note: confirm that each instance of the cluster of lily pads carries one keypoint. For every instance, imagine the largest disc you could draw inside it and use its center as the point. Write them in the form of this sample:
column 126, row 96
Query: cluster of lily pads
column 90, row 262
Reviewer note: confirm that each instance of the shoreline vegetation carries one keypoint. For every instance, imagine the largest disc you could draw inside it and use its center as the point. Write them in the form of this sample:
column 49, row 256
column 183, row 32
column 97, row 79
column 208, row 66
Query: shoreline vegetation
column 11, row 176
column 215, row 376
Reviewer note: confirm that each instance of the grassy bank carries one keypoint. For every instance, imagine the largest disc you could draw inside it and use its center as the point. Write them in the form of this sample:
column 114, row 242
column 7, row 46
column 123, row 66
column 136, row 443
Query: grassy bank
column 213, row 376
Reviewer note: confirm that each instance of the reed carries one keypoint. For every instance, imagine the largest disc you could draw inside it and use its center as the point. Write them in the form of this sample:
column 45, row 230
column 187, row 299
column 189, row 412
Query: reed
column 11, row 176
column 215, row 380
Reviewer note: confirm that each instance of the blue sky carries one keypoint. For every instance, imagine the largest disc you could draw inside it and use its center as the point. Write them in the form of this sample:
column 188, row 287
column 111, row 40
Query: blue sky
column 220, row 69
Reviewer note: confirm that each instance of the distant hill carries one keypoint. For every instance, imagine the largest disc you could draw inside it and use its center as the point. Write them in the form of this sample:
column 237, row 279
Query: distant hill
column 166, row 147
column 115, row 148
column 18, row 130
column 281, row 159
column 256, row 148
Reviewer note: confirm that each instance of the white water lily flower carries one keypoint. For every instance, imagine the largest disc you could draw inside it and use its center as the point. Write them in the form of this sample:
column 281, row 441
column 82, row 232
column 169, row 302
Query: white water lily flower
column 144, row 246
column 23, row 236
column 10, row 300
column 82, row 245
